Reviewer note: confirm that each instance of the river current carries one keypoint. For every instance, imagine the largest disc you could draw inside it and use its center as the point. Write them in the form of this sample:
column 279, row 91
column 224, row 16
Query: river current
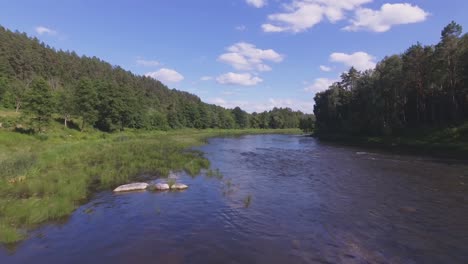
column 276, row 199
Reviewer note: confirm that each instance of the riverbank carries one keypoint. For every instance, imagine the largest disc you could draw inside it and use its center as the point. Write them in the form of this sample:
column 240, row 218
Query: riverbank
column 448, row 142
column 45, row 177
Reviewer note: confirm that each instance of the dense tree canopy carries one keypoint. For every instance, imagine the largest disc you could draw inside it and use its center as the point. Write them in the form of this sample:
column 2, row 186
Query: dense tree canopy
column 107, row 97
column 426, row 86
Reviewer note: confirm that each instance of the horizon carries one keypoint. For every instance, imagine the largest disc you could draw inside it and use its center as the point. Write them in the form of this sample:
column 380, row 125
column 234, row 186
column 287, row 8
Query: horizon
column 260, row 59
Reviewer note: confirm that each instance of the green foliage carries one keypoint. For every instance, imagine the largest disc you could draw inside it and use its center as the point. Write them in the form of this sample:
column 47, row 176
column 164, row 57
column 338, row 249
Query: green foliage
column 65, row 105
column 99, row 95
column 155, row 120
column 307, row 123
column 241, row 117
column 426, row 86
column 45, row 180
column 39, row 102
column 86, row 102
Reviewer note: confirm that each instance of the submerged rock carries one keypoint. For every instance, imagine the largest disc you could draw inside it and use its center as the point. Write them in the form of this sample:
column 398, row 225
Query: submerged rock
column 161, row 187
column 179, row 186
column 138, row 186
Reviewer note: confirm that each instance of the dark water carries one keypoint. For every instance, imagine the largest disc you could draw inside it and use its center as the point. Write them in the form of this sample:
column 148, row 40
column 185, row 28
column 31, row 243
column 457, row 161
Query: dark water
column 283, row 199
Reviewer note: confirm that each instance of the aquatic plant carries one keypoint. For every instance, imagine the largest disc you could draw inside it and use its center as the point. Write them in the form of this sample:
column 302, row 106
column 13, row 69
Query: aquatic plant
column 214, row 174
column 171, row 182
column 247, row 201
column 43, row 180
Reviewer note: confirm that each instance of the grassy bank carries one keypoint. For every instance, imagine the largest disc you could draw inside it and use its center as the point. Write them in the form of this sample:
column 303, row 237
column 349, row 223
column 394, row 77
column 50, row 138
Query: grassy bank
column 45, row 177
column 447, row 142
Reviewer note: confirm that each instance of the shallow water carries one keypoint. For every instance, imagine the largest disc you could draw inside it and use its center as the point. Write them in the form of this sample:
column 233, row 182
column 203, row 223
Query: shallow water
column 282, row 199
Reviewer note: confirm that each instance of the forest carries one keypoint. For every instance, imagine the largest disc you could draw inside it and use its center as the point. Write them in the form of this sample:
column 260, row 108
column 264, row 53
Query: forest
column 425, row 87
column 85, row 92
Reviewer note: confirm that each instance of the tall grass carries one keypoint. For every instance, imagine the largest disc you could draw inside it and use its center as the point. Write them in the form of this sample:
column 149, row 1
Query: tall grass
column 46, row 179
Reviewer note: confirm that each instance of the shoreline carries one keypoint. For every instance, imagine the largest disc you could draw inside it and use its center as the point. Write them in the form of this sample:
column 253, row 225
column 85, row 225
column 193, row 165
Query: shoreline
column 402, row 145
column 46, row 179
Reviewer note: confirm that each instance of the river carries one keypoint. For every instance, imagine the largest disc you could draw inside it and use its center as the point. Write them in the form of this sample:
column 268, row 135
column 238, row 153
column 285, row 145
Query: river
column 280, row 199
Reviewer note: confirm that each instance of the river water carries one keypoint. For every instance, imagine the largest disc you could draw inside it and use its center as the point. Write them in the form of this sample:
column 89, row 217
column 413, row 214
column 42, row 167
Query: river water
column 281, row 199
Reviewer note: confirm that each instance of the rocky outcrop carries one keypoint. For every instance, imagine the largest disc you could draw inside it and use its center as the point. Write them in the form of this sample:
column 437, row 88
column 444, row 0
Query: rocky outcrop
column 161, row 187
column 138, row 186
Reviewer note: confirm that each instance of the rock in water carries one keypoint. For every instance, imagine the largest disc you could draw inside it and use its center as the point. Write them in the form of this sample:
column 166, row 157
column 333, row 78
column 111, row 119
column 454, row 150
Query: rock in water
column 179, row 186
column 161, row 186
column 138, row 186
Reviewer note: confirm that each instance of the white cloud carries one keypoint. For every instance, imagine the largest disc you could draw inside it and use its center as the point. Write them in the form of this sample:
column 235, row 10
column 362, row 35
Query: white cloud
column 257, row 3
column 301, row 15
column 244, row 79
column 249, row 106
column 206, row 78
column 325, row 68
column 44, row 30
column 389, row 15
column 246, row 57
column 359, row 60
column 272, row 28
column 148, row 63
column 320, row 84
column 166, row 75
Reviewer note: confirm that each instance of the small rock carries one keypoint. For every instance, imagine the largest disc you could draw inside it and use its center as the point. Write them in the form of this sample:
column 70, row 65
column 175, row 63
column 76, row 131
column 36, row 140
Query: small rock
column 179, row 186
column 138, row 186
column 161, row 186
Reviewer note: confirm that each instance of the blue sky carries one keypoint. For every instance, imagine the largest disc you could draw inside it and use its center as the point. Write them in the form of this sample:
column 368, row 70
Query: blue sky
column 253, row 53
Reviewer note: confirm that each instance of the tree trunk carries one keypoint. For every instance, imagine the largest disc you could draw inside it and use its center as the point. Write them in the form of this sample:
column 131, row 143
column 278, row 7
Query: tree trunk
column 417, row 108
column 18, row 106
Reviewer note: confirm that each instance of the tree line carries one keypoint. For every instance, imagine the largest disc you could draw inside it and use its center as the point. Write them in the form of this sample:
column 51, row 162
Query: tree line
column 44, row 83
column 426, row 86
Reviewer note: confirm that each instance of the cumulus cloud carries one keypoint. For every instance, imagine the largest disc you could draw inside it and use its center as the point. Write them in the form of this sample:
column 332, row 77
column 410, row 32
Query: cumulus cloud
column 246, row 57
column 166, row 75
column 243, row 79
column 257, row 3
column 389, row 15
column 320, row 84
column 148, row 63
column 359, row 60
column 41, row 30
column 272, row 28
column 325, row 68
column 301, row 15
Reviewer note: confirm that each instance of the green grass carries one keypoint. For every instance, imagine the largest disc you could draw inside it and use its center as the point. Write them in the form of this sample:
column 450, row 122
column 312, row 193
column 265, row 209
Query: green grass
column 48, row 177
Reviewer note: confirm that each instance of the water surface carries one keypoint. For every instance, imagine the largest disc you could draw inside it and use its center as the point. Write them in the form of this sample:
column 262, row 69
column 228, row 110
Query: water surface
column 282, row 199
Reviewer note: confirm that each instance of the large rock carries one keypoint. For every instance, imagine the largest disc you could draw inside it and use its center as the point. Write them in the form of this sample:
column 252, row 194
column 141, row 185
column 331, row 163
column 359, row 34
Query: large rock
column 179, row 186
column 138, row 186
column 161, row 186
